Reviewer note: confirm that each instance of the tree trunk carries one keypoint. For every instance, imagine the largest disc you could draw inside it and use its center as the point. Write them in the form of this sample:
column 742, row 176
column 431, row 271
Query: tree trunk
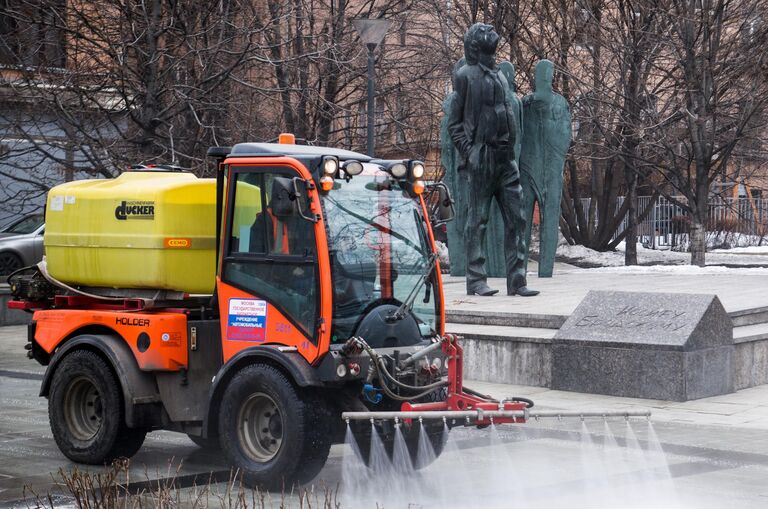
column 698, row 242
column 630, row 240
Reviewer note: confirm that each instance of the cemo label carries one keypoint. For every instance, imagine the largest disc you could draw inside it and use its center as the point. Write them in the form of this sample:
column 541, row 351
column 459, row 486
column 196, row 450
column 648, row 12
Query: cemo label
column 178, row 243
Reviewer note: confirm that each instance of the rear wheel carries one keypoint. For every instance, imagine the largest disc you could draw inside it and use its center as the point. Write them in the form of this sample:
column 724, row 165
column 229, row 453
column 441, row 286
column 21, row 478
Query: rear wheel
column 86, row 411
column 274, row 433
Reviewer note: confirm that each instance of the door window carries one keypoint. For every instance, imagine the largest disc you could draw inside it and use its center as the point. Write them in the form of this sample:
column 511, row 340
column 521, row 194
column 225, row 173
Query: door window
column 271, row 253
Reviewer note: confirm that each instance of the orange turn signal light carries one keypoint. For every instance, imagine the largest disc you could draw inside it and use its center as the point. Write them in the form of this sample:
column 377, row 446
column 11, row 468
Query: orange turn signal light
column 326, row 183
column 418, row 187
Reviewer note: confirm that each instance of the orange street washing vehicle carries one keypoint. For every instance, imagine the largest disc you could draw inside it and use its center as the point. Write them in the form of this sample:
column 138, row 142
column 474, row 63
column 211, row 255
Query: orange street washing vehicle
column 255, row 312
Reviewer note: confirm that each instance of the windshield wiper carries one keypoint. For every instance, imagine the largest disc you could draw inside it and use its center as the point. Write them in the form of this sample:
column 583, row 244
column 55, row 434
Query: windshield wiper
column 374, row 224
column 407, row 304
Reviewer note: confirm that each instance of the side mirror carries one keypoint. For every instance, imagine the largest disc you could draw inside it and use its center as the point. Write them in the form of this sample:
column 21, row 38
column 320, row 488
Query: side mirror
column 283, row 199
column 440, row 203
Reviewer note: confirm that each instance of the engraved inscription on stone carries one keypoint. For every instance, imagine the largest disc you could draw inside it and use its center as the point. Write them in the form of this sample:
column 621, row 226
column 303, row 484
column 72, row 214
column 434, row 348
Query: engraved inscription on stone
column 638, row 318
column 671, row 320
column 671, row 346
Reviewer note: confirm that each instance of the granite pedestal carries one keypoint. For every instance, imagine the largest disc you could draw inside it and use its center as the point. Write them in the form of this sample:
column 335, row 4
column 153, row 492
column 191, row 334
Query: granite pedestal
column 645, row 345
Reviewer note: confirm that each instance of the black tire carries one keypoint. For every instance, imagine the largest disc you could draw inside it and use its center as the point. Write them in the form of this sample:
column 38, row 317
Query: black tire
column 9, row 263
column 291, row 440
column 210, row 444
column 386, row 430
column 85, row 408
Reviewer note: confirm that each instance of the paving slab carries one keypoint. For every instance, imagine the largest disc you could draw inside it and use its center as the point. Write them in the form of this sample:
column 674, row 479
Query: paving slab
column 738, row 289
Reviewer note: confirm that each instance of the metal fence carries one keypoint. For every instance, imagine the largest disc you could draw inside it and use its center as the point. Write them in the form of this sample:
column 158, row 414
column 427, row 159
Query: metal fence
column 732, row 222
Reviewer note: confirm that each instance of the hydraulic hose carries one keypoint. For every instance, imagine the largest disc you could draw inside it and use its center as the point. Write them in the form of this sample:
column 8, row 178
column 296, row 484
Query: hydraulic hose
column 518, row 399
column 378, row 364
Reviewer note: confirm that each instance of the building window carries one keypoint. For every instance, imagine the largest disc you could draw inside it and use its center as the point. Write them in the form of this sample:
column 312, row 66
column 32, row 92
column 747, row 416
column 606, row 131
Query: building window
column 31, row 33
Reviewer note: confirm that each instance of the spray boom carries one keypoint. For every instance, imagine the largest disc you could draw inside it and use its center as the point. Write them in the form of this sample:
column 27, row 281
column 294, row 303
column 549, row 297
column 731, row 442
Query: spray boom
column 469, row 406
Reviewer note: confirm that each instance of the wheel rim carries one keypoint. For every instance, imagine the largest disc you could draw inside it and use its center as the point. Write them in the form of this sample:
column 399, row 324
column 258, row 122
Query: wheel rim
column 83, row 409
column 260, row 427
column 8, row 264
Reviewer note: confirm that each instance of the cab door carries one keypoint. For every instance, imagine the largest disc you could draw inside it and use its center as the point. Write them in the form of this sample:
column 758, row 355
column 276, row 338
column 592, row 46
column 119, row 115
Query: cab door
column 269, row 282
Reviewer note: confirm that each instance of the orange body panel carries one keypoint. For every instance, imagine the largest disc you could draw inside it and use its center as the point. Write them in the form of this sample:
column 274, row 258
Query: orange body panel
column 279, row 329
column 167, row 332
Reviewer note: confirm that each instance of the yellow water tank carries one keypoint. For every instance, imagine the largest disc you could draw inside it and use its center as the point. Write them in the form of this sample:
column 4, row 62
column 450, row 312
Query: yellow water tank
column 143, row 229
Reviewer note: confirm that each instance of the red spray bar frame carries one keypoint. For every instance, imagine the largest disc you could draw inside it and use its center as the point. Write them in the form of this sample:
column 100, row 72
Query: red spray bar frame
column 460, row 401
column 475, row 409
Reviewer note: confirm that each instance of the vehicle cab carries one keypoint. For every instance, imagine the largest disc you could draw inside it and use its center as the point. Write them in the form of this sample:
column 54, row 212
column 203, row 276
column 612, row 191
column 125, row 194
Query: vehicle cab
column 320, row 245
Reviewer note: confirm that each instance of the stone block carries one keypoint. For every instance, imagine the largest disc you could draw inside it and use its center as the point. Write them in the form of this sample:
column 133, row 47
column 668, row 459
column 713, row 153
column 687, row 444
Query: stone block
column 646, row 345
column 511, row 361
column 750, row 364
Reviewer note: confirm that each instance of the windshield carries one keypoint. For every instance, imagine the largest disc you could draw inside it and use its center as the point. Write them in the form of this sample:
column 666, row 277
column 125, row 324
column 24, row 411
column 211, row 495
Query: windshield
column 25, row 225
column 379, row 251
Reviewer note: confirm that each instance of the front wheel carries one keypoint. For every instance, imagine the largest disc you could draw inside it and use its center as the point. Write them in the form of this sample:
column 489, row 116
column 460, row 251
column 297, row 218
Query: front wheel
column 274, row 433
column 86, row 411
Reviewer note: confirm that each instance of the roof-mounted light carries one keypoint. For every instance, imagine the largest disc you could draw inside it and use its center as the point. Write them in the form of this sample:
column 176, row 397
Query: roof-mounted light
column 352, row 168
column 330, row 166
column 398, row 170
column 417, row 170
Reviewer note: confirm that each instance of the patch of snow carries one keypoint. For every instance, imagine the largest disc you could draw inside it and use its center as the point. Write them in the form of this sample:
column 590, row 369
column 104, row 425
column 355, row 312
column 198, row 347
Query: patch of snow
column 746, row 250
column 586, row 255
column 645, row 256
column 442, row 254
column 682, row 269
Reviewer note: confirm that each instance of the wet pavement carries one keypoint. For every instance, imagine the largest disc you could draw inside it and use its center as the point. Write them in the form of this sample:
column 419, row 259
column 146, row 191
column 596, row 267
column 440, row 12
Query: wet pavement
column 717, row 448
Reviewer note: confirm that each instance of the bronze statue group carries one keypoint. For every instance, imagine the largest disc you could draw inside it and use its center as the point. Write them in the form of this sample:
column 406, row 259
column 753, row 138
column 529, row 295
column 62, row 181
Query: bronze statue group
column 497, row 146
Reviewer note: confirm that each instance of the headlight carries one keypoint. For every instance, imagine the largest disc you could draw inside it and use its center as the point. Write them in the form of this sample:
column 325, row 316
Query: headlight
column 398, row 170
column 353, row 167
column 417, row 170
column 330, row 166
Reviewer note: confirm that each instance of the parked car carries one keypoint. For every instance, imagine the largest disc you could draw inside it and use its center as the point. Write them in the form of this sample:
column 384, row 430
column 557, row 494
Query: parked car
column 21, row 243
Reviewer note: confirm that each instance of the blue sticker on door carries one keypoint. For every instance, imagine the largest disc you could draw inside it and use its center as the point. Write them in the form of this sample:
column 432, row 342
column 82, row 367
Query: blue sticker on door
column 247, row 320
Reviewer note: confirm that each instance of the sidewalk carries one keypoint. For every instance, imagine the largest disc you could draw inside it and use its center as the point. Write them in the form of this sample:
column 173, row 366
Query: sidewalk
column 737, row 289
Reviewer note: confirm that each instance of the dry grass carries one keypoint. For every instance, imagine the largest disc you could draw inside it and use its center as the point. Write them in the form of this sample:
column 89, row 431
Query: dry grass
column 114, row 488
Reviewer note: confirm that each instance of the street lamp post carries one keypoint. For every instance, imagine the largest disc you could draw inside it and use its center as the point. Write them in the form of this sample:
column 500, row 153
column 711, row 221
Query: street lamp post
column 371, row 32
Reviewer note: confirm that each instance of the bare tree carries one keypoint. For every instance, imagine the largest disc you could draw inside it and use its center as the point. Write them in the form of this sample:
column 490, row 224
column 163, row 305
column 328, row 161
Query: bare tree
column 712, row 89
column 316, row 65
column 115, row 83
column 135, row 83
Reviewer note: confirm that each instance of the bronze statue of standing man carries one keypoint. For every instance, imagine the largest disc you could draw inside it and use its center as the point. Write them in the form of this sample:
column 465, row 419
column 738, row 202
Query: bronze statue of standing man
column 481, row 124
